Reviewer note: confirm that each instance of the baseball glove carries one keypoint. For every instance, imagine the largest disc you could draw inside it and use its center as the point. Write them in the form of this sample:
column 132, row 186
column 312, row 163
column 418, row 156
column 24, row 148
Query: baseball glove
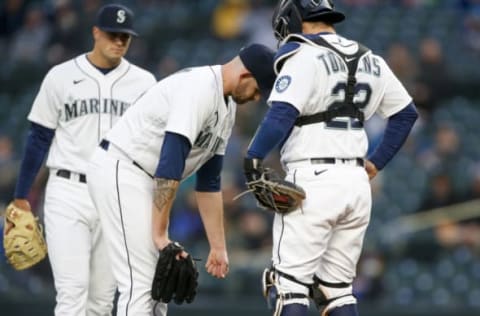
column 270, row 190
column 174, row 278
column 22, row 238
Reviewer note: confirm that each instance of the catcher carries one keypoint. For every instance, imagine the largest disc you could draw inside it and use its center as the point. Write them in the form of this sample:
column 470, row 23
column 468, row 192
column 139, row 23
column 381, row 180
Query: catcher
column 324, row 91
column 22, row 237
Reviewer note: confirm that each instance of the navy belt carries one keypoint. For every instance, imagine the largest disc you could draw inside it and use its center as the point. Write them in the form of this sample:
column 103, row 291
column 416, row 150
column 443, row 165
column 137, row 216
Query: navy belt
column 359, row 161
column 63, row 173
column 105, row 144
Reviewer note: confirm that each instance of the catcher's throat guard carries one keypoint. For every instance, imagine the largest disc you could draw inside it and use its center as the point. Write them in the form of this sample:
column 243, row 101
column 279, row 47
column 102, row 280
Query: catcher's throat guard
column 22, row 238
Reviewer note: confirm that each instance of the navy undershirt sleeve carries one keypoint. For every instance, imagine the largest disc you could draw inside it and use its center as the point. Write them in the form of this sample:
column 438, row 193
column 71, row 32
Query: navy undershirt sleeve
column 274, row 129
column 396, row 132
column 38, row 143
column 175, row 150
column 208, row 176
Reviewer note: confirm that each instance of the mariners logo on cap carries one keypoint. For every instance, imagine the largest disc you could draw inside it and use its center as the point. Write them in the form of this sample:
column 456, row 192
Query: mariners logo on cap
column 282, row 83
column 121, row 16
column 115, row 18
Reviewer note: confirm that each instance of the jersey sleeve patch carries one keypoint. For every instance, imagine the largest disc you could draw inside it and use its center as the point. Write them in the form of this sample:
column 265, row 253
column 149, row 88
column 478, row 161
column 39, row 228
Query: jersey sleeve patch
column 282, row 83
column 284, row 52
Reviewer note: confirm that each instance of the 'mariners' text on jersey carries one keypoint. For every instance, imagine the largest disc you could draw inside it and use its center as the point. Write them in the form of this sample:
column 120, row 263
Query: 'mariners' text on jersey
column 92, row 106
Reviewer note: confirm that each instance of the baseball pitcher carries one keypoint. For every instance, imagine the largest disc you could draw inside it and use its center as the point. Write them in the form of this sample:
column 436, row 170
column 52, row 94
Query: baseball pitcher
column 78, row 102
column 178, row 128
column 326, row 87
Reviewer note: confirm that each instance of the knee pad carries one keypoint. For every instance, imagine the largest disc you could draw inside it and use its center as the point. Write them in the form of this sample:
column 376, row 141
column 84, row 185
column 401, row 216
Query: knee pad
column 278, row 295
column 328, row 296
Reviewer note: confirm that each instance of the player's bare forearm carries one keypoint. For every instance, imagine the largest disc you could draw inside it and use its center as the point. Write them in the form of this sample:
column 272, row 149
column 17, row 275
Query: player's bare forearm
column 210, row 205
column 163, row 196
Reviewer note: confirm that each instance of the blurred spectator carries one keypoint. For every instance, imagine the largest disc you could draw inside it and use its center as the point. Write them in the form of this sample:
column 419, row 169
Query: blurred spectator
column 403, row 65
column 8, row 170
column 228, row 18
column 426, row 245
column 167, row 66
column 440, row 192
column 12, row 13
column 453, row 233
column 88, row 13
column 471, row 23
column 474, row 187
column 254, row 230
column 443, row 150
column 434, row 82
column 472, row 29
column 30, row 41
column 467, row 231
column 257, row 24
column 68, row 38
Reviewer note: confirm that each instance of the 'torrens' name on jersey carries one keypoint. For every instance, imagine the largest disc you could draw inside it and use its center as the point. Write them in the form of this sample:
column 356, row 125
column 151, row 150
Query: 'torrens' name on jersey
column 83, row 107
column 333, row 64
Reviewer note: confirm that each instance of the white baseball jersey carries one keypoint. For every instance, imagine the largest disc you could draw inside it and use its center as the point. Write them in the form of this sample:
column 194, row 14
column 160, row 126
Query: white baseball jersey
column 335, row 214
column 199, row 113
column 188, row 103
column 313, row 89
column 82, row 104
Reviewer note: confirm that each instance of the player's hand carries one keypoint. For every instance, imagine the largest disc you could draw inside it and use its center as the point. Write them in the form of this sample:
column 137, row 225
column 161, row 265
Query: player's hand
column 371, row 169
column 161, row 242
column 22, row 204
column 217, row 263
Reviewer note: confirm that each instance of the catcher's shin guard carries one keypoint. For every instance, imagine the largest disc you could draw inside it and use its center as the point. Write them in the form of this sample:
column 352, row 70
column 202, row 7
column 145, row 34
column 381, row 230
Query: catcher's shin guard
column 330, row 296
column 277, row 300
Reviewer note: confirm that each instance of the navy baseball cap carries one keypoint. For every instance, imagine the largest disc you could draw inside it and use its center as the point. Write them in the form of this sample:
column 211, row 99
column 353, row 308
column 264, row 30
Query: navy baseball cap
column 258, row 59
column 115, row 18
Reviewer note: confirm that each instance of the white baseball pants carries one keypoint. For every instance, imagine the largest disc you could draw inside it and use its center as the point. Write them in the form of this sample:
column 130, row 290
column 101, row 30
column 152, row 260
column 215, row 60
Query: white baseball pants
column 76, row 249
column 124, row 194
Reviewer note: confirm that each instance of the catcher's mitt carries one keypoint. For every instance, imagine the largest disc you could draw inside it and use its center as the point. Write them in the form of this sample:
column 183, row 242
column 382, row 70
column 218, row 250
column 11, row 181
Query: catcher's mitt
column 272, row 192
column 174, row 278
column 22, row 238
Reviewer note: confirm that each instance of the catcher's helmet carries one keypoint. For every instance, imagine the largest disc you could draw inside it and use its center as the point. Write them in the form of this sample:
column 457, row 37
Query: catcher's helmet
column 289, row 15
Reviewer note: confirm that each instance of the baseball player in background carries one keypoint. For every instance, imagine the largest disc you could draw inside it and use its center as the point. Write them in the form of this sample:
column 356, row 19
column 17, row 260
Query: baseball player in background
column 78, row 102
column 179, row 127
column 326, row 87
